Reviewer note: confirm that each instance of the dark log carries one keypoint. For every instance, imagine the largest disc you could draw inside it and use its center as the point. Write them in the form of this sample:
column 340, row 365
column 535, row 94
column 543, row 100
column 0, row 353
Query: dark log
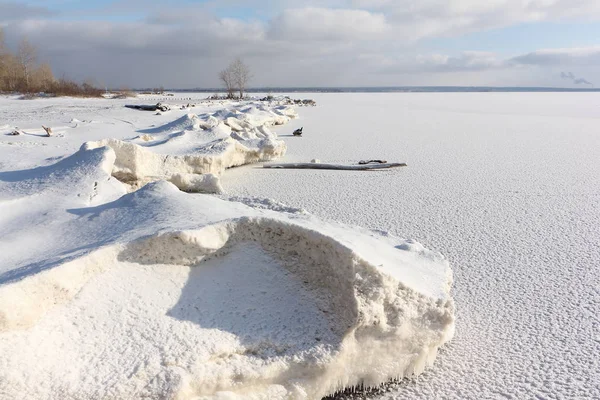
column 362, row 167
column 157, row 107
column 362, row 162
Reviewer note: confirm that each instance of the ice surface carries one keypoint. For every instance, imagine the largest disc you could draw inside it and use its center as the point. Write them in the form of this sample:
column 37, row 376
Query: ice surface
column 505, row 186
column 163, row 294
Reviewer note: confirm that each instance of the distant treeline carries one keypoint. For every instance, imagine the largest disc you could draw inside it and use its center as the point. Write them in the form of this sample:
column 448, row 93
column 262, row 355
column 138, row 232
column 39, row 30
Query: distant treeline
column 21, row 72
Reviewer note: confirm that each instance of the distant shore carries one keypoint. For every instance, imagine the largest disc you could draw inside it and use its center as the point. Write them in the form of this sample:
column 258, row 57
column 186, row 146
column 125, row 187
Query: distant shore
column 394, row 89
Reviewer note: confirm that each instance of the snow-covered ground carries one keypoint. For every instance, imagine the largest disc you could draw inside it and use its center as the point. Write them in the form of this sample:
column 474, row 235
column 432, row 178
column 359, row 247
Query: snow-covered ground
column 507, row 186
column 116, row 284
column 98, row 298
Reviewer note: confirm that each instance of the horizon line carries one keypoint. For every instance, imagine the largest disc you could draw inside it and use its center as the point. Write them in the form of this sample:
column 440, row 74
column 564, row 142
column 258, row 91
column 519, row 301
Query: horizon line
column 375, row 89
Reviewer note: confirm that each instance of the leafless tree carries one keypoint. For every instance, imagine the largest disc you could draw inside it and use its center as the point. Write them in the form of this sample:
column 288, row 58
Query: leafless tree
column 2, row 44
column 241, row 75
column 19, row 71
column 42, row 78
column 13, row 76
column 27, row 56
column 226, row 77
column 3, row 61
column 11, row 71
column 236, row 77
column 3, row 50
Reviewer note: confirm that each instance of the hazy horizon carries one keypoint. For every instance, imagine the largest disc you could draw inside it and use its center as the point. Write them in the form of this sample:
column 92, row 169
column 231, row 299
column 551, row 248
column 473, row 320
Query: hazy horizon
column 376, row 89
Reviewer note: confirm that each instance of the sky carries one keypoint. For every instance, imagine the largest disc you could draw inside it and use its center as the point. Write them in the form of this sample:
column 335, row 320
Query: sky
column 332, row 43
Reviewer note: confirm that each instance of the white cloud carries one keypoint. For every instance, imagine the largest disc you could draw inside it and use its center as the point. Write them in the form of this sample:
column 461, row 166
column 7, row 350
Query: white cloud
column 540, row 67
column 572, row 56
column 211, row 37
column 467, row 61
column 327, row 24
column 414, row 20
column 441, row 63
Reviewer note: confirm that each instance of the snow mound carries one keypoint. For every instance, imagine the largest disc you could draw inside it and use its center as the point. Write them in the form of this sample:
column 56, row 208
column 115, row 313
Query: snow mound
column 257, row 114
column 161, row 294
column 187, row 122
column 80, row 177
column 206, row 144
column 137, row 165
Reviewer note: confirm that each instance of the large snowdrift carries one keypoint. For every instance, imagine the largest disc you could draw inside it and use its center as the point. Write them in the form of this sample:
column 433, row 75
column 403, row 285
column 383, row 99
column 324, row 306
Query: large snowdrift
column 196, row 145
column 163, row 294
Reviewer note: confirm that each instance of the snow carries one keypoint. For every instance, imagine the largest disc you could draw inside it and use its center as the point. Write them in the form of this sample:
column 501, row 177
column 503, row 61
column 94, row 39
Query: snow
column 163, row 294
column 201, row 183
column 504, row 185
column 193, row 145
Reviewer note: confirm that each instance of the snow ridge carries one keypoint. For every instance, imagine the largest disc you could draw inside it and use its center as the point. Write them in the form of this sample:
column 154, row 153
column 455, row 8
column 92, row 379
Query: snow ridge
column 197, row 145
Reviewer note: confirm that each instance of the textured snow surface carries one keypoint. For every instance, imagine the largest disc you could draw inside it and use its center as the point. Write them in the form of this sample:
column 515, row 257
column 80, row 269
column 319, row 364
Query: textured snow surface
column 163, row 294
column 507, row 187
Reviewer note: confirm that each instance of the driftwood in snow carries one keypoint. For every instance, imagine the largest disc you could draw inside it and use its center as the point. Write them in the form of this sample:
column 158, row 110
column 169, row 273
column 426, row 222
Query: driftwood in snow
column 290, row 101
column 157, row 107
column 361, row 167
column 362, row 162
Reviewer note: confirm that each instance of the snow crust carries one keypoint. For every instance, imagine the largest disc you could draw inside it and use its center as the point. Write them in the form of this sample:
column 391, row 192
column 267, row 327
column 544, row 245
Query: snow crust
column 163, row 294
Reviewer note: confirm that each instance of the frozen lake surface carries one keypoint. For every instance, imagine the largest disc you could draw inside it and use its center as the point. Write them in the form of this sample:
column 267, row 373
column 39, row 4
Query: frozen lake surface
column 507, row 187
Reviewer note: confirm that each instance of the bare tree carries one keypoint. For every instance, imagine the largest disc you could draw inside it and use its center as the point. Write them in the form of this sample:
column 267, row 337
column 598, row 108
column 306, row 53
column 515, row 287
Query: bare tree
column 42, row 78
column 235, row 77
column 226, row 77
column 3, row 61
column 2, row 43
column 13, row 74
column 19, row 71
column 241, row 75
column 27, row 56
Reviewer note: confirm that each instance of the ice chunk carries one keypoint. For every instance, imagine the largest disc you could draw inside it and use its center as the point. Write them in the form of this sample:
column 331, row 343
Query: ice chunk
column 205, row 183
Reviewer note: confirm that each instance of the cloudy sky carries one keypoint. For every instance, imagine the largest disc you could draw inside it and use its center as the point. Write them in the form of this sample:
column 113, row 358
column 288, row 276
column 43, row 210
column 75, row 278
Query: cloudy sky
column 183, row 44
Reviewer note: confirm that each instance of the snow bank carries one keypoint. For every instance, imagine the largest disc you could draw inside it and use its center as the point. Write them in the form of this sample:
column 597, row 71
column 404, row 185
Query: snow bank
column 137, row 165
column 162, row 294
column 206, row 144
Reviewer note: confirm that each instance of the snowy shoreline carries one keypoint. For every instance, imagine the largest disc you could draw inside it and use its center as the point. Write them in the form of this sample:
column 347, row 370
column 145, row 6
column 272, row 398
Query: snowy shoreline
column 90, row 268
